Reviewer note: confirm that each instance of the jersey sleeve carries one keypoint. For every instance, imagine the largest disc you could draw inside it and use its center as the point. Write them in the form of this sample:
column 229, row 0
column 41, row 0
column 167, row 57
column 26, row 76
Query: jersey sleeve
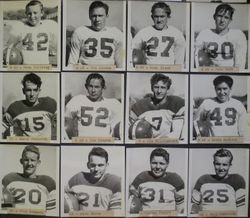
column 76, row 42
column 119, row 49
column 240, row 50
column 179, row 49
column 137, row 41
column 72, row 108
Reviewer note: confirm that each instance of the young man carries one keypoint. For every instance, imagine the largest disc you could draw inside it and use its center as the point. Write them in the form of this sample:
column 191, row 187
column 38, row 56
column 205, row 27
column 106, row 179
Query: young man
column 223, row 115
column 35, row 35
column 222, row 191
column 164, row 113
column 96, row 189
column 92, row 115
column 33, row 116
column 221, row 46
column 160, row 43
column 29, row 190
column 97, row 43
column 157, row 189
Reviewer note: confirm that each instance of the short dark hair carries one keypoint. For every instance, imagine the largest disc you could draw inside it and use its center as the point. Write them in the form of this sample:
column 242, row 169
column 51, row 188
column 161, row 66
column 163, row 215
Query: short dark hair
column 33, row 3
column 162, row 5
column 160, row 152
column 223, row 153
column 224, row 8
column 160, row 77
column 98, row 4
column 95, row 76
column 226, row 79
column 31, row 148
column 32, row 77
column 98, row 151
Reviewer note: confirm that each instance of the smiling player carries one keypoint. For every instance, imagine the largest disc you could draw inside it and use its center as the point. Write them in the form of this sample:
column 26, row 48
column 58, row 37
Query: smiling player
column 93, row 114
column 29, row 190
column 222, row 191
column 221, row 46
column 33, row 116
column 97, row 43
column 160, row 43
column 96, row 189
column 35, row 35
column 164, row 112
column 157, row 189
column 224, row 114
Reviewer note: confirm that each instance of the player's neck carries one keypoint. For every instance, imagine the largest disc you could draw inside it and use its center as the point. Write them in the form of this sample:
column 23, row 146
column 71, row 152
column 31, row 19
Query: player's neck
column 221, row 32
column 164, row 28
column 31, row 104
column 33, row 176
column 159, row 101
column 95, row 100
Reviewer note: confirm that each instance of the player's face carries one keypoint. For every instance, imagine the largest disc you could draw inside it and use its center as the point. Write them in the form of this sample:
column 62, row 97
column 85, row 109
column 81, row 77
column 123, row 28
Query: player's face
column 160, row 90
column 158, row 166
column 95, row 89
column 98, row 18
column 223, row 92
column 221, row 166
column 31, row 92
column 34, row 15
column 160, row 18
column 30, row 163
column 222, row 20
column 97, row 166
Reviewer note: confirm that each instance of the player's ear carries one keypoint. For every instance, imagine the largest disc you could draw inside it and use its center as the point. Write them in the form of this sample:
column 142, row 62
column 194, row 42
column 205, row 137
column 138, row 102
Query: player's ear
column 88, row 165
column 23, row 91
column 21, row 161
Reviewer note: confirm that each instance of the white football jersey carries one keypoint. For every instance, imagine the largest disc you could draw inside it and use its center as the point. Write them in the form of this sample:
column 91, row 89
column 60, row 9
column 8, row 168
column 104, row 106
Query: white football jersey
column 33, row 193
column 94, row 118
column 226, row 118
column 229, row 49
column 219, row 194
column 165, row 46
column 95, row 47
column 35, row 41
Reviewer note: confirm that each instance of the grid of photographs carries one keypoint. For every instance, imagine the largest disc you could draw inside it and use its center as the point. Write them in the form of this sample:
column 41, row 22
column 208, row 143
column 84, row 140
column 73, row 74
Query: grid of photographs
column 124, row 108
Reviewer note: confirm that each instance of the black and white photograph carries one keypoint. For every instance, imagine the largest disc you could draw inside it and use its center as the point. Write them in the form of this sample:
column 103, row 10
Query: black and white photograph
column 92, row 107
column 218, row 182
column 218, row 108
column 156, row 181
column 94, row 35
column 30, row 180
column 156, row 110
column 221, row 43
column 30, row 107
column 158, row 37
column 31, row 35
column 219, row 1
column 93, row 182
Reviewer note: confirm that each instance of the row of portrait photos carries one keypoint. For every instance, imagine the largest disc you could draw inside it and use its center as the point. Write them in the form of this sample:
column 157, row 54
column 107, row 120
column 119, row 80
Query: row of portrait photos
column 112, row 36
column 158, row 181
column 149, row 108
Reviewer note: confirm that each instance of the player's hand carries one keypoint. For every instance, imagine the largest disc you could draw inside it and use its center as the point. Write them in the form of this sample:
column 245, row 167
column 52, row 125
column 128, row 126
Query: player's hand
column 82, row 198
column 52, row 118
column 8, row 119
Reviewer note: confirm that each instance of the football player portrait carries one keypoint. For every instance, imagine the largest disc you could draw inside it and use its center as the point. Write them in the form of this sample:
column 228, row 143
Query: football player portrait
column 98, row 43
column 95, row 111
column 157, row 189
column 158, row 114
column 157, row 41
column 97, row 188
column 222, row 191
column 35, row 115
column 31, row 36
column 222, row 45
column 28, row 191
column 224, row 114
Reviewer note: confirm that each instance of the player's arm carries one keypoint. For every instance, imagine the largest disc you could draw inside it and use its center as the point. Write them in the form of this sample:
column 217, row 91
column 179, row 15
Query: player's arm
column 8, row 119
column 134, row 200
column 240, row 51
column 71, row 117
column 179, row 50
column 195, row 202
column 242, row 122
column 198, row 45
column 179, row 198
column 51, row 203
column 177, row 124
column 138, row 50
column 75, row 49
column 119, row 52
